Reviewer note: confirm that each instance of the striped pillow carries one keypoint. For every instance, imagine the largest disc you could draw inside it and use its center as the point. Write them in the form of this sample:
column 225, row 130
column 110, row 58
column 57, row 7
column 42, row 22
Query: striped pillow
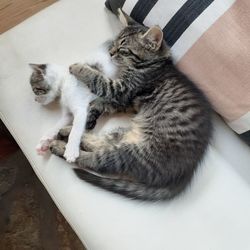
column 210, row 42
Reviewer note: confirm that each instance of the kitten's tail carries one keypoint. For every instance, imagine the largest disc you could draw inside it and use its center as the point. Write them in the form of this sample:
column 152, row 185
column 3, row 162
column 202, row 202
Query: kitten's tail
column 129, row 189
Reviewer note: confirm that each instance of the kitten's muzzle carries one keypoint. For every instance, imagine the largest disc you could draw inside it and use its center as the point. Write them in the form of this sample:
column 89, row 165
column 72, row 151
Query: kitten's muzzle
column 37, row 99
column 70, row 69
column 40, row 99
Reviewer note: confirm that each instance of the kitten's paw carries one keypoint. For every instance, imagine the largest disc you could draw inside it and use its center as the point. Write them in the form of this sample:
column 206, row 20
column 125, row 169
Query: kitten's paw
column 76, row 68
column 57, row 147
column 43, row 146
column 40, row 151
column 71, row 153
column 90, row 124
column 79, row 69
column 64, row 132
column 95, row 110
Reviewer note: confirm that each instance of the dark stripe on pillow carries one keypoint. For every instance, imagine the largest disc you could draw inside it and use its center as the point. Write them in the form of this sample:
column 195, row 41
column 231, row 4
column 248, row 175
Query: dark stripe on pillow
column 183, row 19
column 246, row 137
column 114, row 5
column 141, row 9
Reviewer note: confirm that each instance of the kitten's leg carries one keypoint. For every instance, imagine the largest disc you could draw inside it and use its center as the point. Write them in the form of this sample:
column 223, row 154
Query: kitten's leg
column 115, row 154
column 63, row 133
column 91, row 142
column 43, row 145
column 95, row 110
column 122, row 156
column 99, row 161
column 57, row 147
column 99, row 106
column 73, row 145
column 120, row 90
column 103, row 161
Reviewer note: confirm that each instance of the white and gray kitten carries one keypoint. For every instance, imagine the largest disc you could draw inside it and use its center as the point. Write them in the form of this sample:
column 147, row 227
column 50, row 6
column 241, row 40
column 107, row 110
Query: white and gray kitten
column 50, row 81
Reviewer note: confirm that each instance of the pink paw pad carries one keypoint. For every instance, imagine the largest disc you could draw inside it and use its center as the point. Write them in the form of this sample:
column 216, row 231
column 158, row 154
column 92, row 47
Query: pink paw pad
column 40, row 151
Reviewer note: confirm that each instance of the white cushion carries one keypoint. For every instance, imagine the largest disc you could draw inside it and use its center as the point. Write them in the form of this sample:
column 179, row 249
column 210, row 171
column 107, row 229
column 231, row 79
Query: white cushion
column 213, row 213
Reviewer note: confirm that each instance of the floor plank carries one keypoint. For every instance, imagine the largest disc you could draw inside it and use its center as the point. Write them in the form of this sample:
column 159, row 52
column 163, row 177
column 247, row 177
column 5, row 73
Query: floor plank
column 13, row 12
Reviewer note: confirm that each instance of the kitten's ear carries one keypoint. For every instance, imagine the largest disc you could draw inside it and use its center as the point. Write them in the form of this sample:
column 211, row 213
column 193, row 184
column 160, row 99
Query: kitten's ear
column 125, row 19
column 39, row 68
column 154, row 36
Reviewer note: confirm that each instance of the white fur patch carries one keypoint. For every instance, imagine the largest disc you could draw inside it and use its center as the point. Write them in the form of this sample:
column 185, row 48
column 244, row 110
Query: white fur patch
column 74, row 98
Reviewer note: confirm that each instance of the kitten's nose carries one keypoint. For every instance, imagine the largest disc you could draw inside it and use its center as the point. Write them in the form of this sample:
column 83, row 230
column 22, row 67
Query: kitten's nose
column 112, row 52
column 70, row 69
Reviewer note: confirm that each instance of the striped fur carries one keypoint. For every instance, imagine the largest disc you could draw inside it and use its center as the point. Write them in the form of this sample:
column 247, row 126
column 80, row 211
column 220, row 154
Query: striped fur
column 156, row 158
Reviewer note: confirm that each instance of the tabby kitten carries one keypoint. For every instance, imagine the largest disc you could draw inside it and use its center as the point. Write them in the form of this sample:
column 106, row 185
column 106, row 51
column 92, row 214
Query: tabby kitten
column 156, row 158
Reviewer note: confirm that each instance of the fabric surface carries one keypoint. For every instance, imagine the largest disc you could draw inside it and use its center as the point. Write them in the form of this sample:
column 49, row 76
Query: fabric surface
column 210, row 42
column 213, row 213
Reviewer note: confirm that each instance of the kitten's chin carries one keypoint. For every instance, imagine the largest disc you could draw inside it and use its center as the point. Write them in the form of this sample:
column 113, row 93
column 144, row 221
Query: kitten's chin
column 43, row 100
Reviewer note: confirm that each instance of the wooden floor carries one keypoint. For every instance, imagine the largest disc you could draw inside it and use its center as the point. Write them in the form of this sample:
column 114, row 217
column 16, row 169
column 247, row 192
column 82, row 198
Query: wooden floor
column 13, row 12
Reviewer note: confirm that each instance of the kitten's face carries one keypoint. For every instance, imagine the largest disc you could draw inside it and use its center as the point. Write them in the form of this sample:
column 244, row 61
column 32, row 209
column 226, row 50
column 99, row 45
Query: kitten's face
column 41, row 85
column 136, row 44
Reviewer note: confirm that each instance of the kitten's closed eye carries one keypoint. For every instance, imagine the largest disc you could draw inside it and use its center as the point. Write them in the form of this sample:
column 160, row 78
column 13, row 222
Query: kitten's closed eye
column 123, row 51
column 128, row 52
column 39, row 91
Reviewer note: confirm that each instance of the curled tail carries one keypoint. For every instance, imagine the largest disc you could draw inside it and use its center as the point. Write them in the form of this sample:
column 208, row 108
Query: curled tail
column 129, row 189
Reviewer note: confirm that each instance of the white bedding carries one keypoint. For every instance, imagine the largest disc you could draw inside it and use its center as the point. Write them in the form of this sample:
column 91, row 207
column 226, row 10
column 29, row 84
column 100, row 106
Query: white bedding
column 213, row 214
